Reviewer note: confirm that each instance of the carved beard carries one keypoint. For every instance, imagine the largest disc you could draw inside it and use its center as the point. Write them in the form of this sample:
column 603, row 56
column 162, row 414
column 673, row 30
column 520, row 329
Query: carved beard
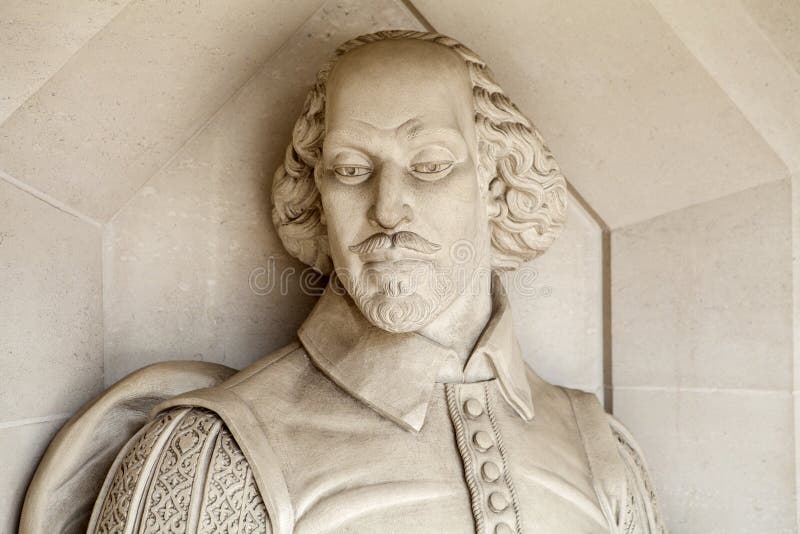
column 400, row 301
column 398, row 314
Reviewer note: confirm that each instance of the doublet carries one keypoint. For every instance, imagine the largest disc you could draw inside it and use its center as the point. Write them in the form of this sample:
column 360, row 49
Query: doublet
column 348, row 430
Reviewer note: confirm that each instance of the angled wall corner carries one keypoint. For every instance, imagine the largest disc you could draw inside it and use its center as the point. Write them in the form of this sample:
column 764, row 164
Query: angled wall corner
column 133, row 94
column 763, row 36
column 636, row 121
column 703, row 365
column 38, row 39
column 50, row 268
column 557, row 303
column 51, row 331
column 796, row 328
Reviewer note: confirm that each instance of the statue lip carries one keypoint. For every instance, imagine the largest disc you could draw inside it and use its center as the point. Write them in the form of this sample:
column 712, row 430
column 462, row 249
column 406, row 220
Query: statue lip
column 404, row 265
column 395, row 256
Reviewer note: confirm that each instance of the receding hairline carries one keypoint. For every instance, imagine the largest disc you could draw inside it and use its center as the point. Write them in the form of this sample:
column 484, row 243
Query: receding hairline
column 443, row 55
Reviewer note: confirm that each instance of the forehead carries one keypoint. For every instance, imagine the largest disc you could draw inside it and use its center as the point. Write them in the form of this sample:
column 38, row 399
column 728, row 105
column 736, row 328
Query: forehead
column 389, row 83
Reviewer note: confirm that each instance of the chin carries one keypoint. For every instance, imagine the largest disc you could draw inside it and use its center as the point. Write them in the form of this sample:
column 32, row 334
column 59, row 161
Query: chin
column 398, row 300
column 398, row 314
column 395, row 305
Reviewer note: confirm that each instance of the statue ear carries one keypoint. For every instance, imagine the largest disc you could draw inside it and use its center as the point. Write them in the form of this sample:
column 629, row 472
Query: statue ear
column 495, row 199
column 490, row 185
column 323, row 262
column 493, row 208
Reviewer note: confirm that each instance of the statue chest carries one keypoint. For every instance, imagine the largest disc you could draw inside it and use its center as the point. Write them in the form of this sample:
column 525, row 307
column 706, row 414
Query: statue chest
column 475, row 466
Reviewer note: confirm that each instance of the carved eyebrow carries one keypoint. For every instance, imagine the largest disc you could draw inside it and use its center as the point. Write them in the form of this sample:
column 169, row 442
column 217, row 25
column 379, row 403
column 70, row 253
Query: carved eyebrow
column 411, row 128
column 414, row 128
column 419, row 132
column 345, row 136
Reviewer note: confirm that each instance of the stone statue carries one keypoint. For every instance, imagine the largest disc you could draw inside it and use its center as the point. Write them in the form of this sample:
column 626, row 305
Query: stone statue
column 404, row 405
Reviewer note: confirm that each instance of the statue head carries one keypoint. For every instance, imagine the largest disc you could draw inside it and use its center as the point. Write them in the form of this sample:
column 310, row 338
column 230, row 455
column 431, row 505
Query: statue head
column 410, row 170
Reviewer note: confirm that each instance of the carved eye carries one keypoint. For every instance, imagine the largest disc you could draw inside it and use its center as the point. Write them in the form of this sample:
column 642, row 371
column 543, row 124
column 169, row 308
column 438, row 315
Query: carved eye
column 352, row 174
column 432, row 169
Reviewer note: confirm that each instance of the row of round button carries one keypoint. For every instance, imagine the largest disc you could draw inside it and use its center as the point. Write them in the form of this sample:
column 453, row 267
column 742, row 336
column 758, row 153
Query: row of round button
column 490, row 472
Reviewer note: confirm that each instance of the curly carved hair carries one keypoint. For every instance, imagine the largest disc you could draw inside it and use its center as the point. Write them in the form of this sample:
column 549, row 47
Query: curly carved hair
column 527, row 190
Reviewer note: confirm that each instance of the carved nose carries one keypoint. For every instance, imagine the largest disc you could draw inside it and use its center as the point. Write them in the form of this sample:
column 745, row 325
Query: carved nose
column 389, row 220
column 389, row 210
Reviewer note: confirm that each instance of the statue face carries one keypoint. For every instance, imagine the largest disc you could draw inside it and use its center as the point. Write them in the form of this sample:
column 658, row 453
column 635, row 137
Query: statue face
column 407, row 220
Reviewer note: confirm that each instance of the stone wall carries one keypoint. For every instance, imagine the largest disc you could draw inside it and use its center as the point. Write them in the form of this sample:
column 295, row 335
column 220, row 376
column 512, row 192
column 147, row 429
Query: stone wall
column 702, row 344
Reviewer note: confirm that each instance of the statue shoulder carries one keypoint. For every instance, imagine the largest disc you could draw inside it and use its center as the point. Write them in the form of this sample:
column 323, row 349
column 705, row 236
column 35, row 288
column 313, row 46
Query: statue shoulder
column 642, row 506
column 617, row 466
column 183, row 472
column 72, row 471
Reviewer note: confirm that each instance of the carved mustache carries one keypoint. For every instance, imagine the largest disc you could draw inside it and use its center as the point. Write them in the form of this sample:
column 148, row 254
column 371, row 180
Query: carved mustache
column 401, row 239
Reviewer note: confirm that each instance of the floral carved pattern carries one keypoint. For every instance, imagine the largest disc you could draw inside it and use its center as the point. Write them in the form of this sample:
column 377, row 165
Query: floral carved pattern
column 182, row 473
column 118, row 498
column 254, row 514
column 170, row 495
column 225, row 485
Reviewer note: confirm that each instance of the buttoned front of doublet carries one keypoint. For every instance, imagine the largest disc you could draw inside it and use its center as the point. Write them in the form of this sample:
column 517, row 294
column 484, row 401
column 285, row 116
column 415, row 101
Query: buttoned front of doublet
column 548, row 465
column 367, row 474
column 495, row 506
column 373, row 432
column 352, row 429
column 349, row 469
column 522, row 472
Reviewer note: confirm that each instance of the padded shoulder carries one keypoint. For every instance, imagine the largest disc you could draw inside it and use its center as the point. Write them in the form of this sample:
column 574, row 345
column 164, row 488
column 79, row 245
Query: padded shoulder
column 71, row 473
column 641, row 515
column 242, row 402
column 183, row 472
column 619, row 473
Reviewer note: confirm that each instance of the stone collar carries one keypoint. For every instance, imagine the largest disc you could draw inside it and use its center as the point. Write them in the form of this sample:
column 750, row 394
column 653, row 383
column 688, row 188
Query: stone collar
column 394, row 374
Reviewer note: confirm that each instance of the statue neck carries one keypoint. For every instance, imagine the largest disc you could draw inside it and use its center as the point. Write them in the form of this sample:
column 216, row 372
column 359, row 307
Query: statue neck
column 461, row 324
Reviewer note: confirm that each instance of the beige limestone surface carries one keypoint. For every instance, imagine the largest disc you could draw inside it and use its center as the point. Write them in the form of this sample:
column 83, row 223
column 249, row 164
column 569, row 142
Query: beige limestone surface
column 51, row 337
column 702, row 326
column 795, row 184
column 703, row 296
column 640, row 127
column 780, row 21
column 719, row 457
column 27, row 443
column 557, row 303
column 725, row 40
column 125, row 102
column 39, row 37
column 644, row 103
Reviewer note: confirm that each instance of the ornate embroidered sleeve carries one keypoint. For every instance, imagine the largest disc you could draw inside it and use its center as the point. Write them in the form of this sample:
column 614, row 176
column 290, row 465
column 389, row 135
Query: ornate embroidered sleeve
column 182, row 473
column 641, row 515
